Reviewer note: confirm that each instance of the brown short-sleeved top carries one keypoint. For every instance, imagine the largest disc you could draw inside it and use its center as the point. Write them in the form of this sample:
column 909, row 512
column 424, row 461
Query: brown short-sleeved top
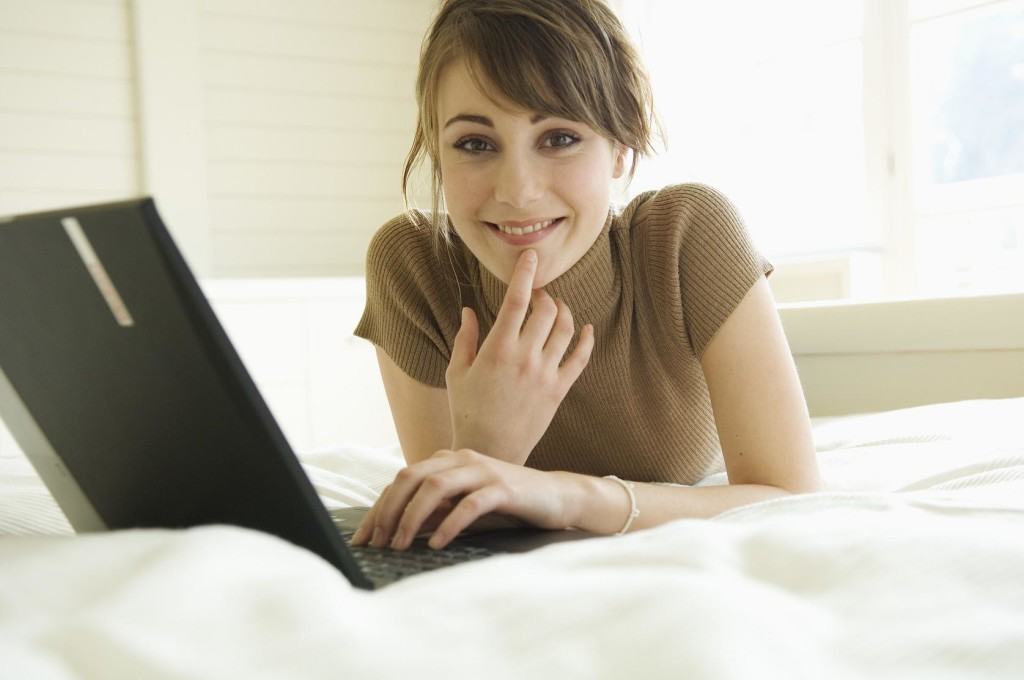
column 659, row 281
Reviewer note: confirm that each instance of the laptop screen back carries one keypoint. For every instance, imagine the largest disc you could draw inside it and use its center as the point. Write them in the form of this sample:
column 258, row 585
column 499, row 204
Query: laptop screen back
column 116, row 359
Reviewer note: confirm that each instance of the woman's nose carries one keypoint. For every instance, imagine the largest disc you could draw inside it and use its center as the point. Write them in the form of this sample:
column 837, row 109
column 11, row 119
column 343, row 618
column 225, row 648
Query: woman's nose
column 518, row 183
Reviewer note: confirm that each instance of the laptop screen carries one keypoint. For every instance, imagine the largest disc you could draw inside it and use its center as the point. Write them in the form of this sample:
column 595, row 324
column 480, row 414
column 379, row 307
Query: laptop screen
column 113, row 359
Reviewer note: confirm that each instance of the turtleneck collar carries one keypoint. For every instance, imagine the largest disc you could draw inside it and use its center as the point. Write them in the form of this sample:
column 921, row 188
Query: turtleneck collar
column 585, row 287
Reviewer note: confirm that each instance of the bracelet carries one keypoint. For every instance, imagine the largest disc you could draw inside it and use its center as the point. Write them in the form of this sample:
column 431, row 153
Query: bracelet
column 634, row 511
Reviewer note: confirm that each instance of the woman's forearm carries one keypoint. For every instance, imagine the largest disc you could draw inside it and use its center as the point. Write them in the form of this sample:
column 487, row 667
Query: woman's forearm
column 601, row 505
column 466, row 440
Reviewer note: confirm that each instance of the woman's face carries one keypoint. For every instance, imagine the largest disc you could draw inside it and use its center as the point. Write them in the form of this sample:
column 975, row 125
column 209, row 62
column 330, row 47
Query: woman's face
column 505, row 167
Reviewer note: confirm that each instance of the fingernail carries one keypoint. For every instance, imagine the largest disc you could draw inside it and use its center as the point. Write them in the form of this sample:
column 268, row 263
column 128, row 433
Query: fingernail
column 531, row 255
column 399, row 538
column 378, row 538
column 437, row 540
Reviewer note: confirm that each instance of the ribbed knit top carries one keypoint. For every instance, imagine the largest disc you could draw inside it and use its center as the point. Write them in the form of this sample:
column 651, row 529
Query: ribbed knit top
column 659, row 281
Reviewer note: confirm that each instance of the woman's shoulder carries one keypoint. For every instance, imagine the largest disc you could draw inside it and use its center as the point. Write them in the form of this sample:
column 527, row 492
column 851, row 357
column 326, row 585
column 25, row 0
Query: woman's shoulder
column 405, row 247
column 406, row 254
column 407, row 229
column 675, row 207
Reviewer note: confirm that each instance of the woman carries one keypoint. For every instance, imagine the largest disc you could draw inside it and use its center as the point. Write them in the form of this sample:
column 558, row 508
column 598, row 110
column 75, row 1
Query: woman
column 539, row 348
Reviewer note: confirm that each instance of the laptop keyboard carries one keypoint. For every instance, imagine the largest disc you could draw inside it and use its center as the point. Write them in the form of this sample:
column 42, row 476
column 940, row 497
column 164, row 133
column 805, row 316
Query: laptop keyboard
column 383, row 565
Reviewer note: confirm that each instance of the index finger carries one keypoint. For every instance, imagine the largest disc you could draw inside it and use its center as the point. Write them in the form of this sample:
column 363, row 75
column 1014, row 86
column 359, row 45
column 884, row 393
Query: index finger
column 362, row 534
column 517, row 298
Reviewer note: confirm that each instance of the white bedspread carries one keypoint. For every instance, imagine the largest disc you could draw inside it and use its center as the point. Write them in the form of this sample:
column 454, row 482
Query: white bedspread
column 910, row 566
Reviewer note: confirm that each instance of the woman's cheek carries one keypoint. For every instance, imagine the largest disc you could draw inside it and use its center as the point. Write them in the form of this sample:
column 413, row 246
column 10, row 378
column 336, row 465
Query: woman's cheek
column 462, row 191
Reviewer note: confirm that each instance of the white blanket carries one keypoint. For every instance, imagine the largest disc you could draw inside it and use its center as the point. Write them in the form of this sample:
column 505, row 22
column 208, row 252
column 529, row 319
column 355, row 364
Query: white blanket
column 909, row 566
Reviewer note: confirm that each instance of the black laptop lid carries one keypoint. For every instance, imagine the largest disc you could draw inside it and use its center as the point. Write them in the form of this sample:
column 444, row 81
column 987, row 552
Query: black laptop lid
column 116, row 356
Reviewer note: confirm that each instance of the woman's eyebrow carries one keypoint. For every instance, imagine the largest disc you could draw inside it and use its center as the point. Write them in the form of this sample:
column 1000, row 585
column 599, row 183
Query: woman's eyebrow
column 484, row 120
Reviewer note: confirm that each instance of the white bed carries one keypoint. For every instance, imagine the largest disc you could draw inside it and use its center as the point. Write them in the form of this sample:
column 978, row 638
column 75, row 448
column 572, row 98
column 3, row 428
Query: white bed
column 909, row 566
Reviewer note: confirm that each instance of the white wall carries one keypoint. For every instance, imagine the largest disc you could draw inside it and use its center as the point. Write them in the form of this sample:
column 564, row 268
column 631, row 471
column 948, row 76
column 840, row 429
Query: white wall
column 309, row 114
column 271, row 132
column 67, row 109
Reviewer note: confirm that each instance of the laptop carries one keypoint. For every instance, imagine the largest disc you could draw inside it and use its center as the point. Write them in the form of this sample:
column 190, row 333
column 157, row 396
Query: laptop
column 121, row 387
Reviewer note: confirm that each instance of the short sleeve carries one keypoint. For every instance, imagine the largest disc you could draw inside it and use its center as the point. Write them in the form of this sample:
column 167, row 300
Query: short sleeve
column 718, row 263
column 410, row 312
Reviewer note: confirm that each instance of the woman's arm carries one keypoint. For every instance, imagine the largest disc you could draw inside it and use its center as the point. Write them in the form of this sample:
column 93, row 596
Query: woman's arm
column 762, row 421
column 602, row 506
column 420, row 412
column 760, row 411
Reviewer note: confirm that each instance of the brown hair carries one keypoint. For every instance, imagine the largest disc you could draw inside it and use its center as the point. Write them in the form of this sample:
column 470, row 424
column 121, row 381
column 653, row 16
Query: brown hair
column 562, row 58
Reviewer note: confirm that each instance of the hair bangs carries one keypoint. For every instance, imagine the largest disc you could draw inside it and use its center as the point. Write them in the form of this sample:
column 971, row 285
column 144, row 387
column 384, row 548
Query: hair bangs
column 523, row 61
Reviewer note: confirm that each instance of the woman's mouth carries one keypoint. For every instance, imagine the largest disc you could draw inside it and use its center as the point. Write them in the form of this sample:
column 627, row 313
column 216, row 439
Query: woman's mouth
column 527, row 234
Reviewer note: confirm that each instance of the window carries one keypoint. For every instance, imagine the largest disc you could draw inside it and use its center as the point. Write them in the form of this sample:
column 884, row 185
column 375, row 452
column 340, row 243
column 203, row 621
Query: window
column 967, row 76
column 875, row 147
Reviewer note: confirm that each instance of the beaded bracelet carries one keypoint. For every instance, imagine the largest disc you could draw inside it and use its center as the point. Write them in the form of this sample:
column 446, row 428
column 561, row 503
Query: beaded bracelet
column 634, row 511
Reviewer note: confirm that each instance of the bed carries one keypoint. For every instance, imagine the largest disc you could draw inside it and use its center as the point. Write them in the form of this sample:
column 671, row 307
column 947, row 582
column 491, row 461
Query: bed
column 908, row 565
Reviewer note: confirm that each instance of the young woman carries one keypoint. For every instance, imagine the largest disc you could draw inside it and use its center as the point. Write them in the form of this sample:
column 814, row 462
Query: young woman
column 538, row 347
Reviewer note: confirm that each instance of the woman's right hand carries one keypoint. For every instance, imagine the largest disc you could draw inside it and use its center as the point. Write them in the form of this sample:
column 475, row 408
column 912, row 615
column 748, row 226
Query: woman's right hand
column 503, row 397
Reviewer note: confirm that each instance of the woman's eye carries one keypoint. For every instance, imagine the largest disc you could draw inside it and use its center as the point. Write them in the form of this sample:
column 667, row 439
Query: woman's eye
column 561, row 140
column 472, row 145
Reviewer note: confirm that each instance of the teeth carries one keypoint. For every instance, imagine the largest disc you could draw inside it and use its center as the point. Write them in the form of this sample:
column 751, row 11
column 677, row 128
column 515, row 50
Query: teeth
column 516, row 231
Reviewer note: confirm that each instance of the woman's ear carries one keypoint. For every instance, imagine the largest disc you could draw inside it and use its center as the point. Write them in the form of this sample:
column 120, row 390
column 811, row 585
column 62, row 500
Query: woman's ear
column 619, row 167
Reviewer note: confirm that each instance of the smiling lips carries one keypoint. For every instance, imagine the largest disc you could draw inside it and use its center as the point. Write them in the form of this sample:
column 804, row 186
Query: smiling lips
column 513, row 228
column 519, row 233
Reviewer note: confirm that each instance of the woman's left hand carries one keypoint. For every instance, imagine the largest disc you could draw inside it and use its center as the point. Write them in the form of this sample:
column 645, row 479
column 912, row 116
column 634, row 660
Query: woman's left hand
column 469, row 483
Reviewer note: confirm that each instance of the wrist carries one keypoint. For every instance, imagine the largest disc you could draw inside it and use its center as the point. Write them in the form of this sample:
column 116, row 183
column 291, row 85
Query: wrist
column 593, row 504
column 489, row 447
column 573, row 492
